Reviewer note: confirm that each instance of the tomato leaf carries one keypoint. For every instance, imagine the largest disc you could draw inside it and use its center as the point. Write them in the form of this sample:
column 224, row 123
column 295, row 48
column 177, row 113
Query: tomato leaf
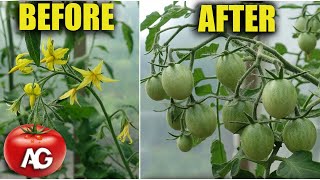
column 290, row 6
column 218, row 154
column 102, row 48
column 203, row 52
column 127, row 34
column 260, row 171
column 33, row 40
column 299, row 165
column 150, row 19
column 109, row 68
column 198, row 75
column 150, row 38
column 203, row 90
column 281, row 48
column 243, row 174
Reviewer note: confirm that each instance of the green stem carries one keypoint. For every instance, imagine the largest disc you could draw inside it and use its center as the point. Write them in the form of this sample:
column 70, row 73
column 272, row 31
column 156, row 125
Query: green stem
column 11, row 47
column 114, row 137
column 217, row 109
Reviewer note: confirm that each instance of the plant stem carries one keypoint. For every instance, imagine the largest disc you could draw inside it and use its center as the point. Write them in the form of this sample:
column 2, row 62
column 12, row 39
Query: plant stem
column 11, row 47
column 114, row 137
column 217, row 110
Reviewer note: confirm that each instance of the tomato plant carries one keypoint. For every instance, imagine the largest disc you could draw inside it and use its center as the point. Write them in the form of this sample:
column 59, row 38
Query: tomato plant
column 56, row 79
column 262, row 87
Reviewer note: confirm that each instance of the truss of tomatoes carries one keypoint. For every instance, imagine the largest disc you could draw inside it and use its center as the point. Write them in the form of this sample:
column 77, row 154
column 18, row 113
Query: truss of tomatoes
column 34, row 151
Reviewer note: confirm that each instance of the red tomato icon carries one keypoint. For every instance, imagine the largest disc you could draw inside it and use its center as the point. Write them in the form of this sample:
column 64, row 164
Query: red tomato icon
column 34, row 155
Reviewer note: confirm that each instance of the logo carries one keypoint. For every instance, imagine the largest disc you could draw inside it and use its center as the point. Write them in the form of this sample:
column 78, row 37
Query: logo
column 32, row 158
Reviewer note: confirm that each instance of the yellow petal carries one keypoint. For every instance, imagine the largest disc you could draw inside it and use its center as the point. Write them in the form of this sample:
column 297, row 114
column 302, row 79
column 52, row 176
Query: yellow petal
column 28, row 88
column 81, row 71
column 105, row 79
column 20, row 56
column 32, row 100
column 98, row 68
column 85, row 82
column 60, row 52
column 14, row 69
column 71, row 100
column 50, row 66
column 26, row 70
column 36, row 89
column 97, row 84
column 60, row 62
column 66, row 95
column 43, row 60
column 76, row 99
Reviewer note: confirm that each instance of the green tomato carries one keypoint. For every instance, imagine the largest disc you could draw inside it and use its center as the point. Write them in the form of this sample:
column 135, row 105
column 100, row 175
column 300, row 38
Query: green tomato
column 229, row 69
column 154, row 88
column 301, row 23
column 307, row 42
column 234, row 112
column 185, row 143
column 257, row 141
column 201, row 120
column 174, row 115
column 279, row 98
column 177, row 81
column 315, row 25
column 299, row 135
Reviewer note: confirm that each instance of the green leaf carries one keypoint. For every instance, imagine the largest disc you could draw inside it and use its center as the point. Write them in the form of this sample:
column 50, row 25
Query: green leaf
column 299, row 165
column 243, row 174
column 102, row 48
column 290, row 6
column 203, row 90
column 218, row 154
column 260, row 170
column 251, row 92
column 127, row 34
column 109, row 68
column 64, row 131
column 223, row 91
column 315, row 54
column 221, row 170
column 150, row 38
column 150, row 19
column 198, row 75
column 172, row 13
column 281, row 48
column 203, row 52
column 33, row 40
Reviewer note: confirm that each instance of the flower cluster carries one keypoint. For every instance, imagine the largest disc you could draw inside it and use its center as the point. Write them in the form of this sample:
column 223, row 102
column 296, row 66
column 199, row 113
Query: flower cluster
column 53, row 57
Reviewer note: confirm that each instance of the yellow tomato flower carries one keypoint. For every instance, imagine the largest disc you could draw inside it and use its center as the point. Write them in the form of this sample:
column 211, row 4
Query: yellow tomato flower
column 15, row 106
column 72, row 93
column 22, row 64
column 33, row 90
column 125, row 133
column 93, row 76
column 51, row 56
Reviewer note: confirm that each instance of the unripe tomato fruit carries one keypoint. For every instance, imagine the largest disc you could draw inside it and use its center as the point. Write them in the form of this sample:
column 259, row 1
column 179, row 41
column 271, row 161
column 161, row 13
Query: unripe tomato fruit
column 300, row 134
column 229, row 69
column 185, row 143
column 307, row 42
column 18, row 144
column 257, row 141
column 301, row 23
column 279, row 97
column 234, row 112
column 174, row 115
column 177, row 81
column 315, row 25
column 154, row 88
column 201, row 120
